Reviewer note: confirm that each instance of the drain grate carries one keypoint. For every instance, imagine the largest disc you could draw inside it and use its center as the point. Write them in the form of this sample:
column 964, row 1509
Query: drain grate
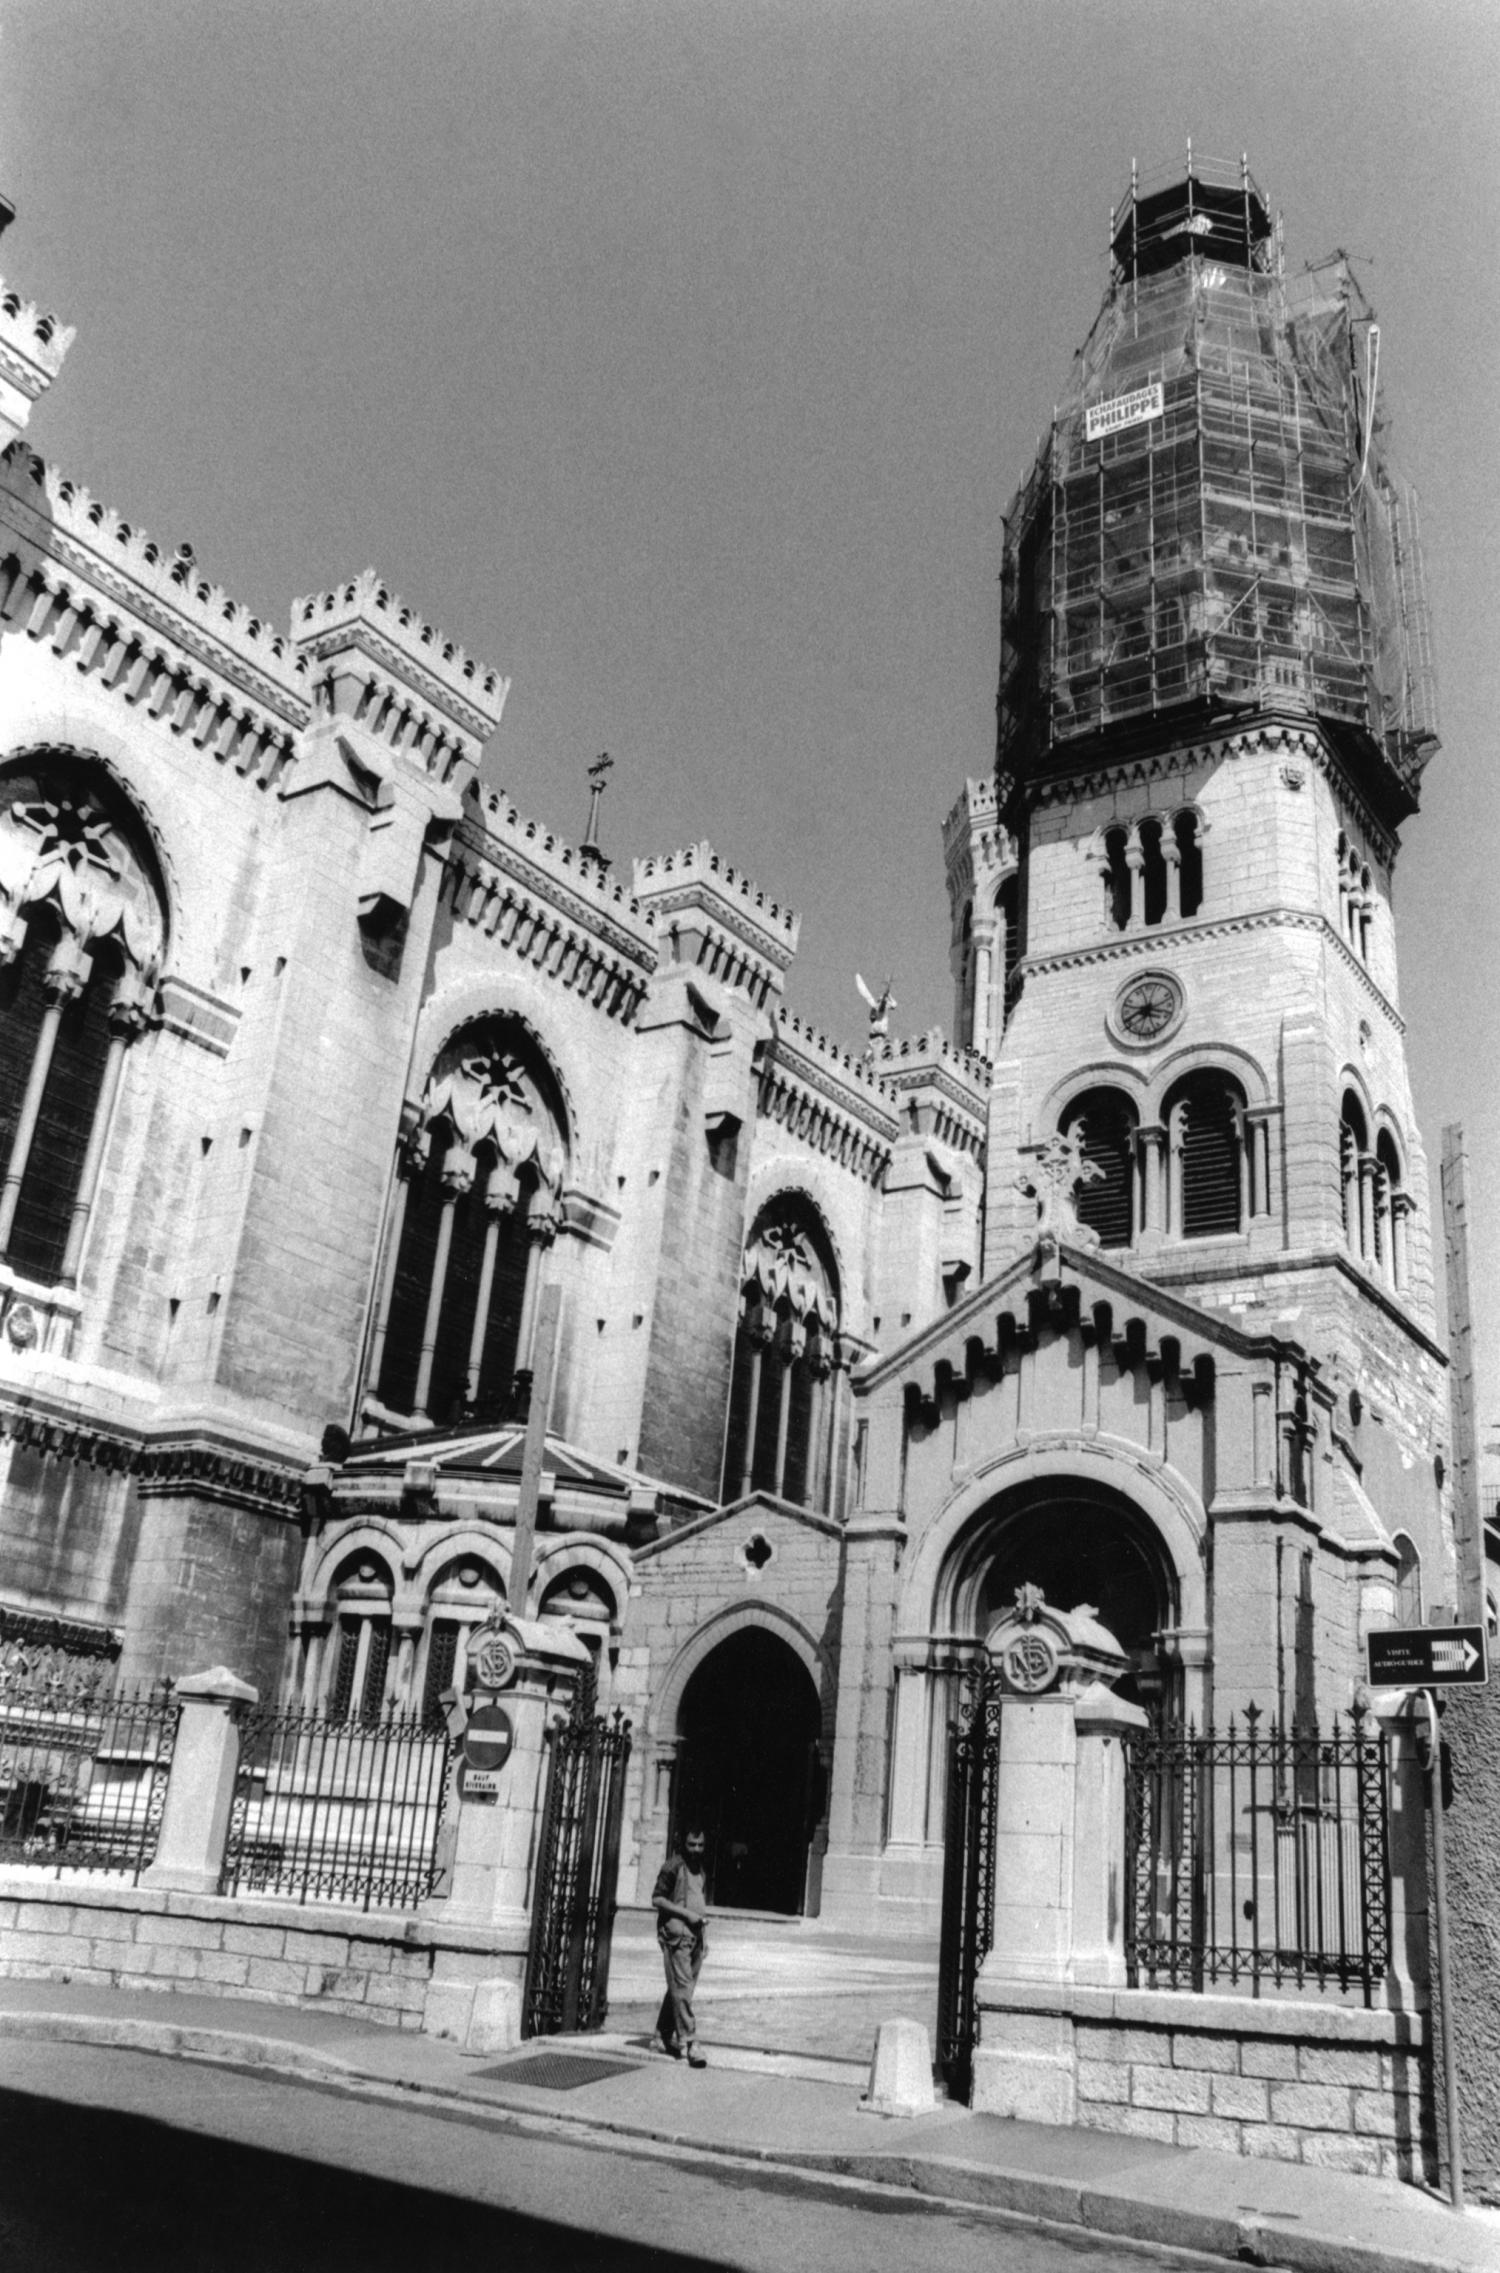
column 555, row 2071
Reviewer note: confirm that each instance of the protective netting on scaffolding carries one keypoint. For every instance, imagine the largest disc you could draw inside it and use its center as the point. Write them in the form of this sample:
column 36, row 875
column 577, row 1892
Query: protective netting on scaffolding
column 1212, row 519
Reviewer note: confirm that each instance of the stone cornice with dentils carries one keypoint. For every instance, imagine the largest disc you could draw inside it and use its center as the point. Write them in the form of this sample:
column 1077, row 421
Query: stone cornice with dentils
column 1274, row 740
column 497, row 833
column 576, row 946
column 104, row 593
column 365, row 617
column 696, row 879
column 32, row 343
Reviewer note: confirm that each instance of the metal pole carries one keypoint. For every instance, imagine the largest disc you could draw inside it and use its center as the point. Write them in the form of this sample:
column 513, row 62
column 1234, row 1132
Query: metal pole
column 544, row 1352
column 1445, row 1999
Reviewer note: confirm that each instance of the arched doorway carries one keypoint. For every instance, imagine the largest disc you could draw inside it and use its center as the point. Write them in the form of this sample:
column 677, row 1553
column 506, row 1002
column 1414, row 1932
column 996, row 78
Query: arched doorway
column 748, row 1770
column 1080, row 1543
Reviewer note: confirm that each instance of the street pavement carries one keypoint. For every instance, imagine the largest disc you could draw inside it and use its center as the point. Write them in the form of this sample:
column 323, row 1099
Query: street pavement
column 768, row 2133
column 117, row 2160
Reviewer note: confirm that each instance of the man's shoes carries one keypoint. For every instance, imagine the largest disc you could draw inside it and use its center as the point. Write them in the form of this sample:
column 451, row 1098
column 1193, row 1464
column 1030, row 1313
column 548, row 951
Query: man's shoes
column 695, row 2058
column 673, row 2051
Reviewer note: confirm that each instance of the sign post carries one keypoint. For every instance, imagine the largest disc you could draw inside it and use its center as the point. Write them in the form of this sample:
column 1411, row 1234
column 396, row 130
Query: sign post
column 1429, row 1658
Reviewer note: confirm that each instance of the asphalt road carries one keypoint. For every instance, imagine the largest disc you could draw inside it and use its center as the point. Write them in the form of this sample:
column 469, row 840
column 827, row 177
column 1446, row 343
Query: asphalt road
column 120, row 2162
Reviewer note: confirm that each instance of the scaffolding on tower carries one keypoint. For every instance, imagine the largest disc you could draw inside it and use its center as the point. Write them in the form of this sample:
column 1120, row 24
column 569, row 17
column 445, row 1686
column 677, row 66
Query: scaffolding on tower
column 1212, row 522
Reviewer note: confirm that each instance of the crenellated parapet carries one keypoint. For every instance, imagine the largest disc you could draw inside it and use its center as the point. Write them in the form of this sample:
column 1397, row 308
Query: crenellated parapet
column 144, row 624
column 540, row 898
column 942, row 1088
column 717, row 919
column 374, row 663
column 32, row 347
column 828, row 1098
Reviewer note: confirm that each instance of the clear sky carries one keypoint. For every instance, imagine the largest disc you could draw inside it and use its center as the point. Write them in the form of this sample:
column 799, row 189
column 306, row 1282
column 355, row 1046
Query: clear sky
column 681, row 356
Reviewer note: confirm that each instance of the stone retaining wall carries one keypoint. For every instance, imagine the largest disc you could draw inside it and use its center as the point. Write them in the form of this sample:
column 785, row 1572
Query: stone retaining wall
column 1316, row 2083
column 405, row 1972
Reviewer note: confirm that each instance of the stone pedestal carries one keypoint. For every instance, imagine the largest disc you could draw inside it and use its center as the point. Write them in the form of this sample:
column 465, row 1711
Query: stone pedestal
column 200, row 1785
column 1059, row 1908
column 530, row 1669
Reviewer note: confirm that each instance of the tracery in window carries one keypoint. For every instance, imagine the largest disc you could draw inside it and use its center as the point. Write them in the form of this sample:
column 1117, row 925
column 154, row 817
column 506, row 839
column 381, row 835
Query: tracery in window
column 82, row 933
column 783, row 1409
column 481, row 1170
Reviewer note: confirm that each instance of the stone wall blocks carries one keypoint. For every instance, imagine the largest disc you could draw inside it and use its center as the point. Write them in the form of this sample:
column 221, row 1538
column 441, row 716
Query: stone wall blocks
column 255, row 1941
column 395, row 1995
column 1327, row 2064
column 107, row 1925
column 1312, row 2107
column 1271, row 2142
column 220, row 1966
column 55, row 1950
column 180, row 1964
column 1220, row 2055
column 316, row 1949
column 1169, row 2087
column 1268, row 2059
column 1104, row 2079
column 1246, row 2098
column 179, row 1933
column 1145, row 2047
column 1377, row 2114
column 275, row 1974
column 1144, row 2123
column 1208, row 2131
column 371, row 1957
column 1333, row 2153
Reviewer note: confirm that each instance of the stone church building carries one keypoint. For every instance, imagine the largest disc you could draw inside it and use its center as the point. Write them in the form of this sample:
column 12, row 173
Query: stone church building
column 319, row 1059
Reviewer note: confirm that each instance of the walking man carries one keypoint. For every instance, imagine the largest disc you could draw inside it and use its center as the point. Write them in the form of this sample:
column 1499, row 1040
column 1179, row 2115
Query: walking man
column 680, row 1906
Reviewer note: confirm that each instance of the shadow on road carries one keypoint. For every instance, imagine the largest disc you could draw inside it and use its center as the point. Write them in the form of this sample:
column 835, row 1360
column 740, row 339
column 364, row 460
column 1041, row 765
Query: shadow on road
column 84, row 2190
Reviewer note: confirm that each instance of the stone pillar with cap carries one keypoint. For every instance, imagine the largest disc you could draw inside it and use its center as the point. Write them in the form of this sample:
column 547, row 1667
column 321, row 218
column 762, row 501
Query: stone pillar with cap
column 523, row 1675
column 1059, row 1853
column 200, row 1786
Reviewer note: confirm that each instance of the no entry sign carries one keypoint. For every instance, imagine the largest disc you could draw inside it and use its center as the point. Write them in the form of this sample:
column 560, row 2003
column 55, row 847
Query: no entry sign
column 1427, row 1657
column 488, row 1737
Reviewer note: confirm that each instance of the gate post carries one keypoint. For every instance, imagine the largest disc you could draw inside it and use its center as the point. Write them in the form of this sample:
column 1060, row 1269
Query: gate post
column 1059, row 1849
column 524, row 1673
column 200, row 1783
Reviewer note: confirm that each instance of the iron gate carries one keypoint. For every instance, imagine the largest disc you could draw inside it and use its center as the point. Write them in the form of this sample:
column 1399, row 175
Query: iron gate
column 578, row 1866
column 968, row 1870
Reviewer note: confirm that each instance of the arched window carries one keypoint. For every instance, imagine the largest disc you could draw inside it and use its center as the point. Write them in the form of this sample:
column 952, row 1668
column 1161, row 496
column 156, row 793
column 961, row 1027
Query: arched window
column 1408, row 1582
column 1355, row 1176
column 82, row 932
column 360, row 1643
column 1205, row 1116
column 1106, row 1122
column 1117, row 878
column 1153, row 873
column 1189, row 841
column 781, row 1407
column 464, row 1594
column 1008, row 915
column 1391, row 1209
column 480, row 1177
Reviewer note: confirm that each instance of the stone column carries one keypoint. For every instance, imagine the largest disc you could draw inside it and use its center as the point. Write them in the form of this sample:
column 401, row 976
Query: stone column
column 200, row 1784
column 66, row 976
column 458, row 1176
column 1153, row 1147
column 1059, row 1853
column 411, row 1158
column 1400, row 1713
column 530, row 1668
column 127, row 1018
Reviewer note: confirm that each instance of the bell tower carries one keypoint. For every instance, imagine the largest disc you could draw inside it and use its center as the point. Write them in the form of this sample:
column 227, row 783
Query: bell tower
column 1215, row 707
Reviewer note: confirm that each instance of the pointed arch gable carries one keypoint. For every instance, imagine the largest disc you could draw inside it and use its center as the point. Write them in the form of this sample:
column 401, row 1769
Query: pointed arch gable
column 662, row 1717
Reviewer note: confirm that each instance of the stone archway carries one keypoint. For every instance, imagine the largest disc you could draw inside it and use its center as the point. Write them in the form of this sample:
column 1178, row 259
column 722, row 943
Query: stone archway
column 748, row 1769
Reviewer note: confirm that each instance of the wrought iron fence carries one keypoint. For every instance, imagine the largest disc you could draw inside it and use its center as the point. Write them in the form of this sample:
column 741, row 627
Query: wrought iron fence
column 968, row 1910
column 83, row 1772
column 1258, row 1856
column 337, row 1810
column 578, row 1865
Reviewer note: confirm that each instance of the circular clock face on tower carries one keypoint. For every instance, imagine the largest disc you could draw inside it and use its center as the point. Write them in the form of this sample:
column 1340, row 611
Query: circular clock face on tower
column 1147, row 1008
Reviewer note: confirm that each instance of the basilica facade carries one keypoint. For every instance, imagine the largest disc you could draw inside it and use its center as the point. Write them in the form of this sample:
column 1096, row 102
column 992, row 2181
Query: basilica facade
column 320, row 1060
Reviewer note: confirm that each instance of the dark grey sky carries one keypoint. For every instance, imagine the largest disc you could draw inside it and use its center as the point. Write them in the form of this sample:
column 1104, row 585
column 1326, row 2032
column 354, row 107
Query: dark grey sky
column 680, row 359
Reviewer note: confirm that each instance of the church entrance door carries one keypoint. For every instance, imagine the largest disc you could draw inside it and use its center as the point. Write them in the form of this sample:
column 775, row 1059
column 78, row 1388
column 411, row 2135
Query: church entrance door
column 748, row 1771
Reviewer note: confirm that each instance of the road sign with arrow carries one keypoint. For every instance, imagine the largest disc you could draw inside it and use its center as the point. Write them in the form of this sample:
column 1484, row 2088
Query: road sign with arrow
column 1427, row 1657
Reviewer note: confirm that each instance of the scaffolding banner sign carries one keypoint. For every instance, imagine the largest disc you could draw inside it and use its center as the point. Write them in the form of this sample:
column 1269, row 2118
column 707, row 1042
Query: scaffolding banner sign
column 1132, row 409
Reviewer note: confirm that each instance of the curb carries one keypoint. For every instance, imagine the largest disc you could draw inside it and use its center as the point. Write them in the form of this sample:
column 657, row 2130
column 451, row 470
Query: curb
column 1253, row 2237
